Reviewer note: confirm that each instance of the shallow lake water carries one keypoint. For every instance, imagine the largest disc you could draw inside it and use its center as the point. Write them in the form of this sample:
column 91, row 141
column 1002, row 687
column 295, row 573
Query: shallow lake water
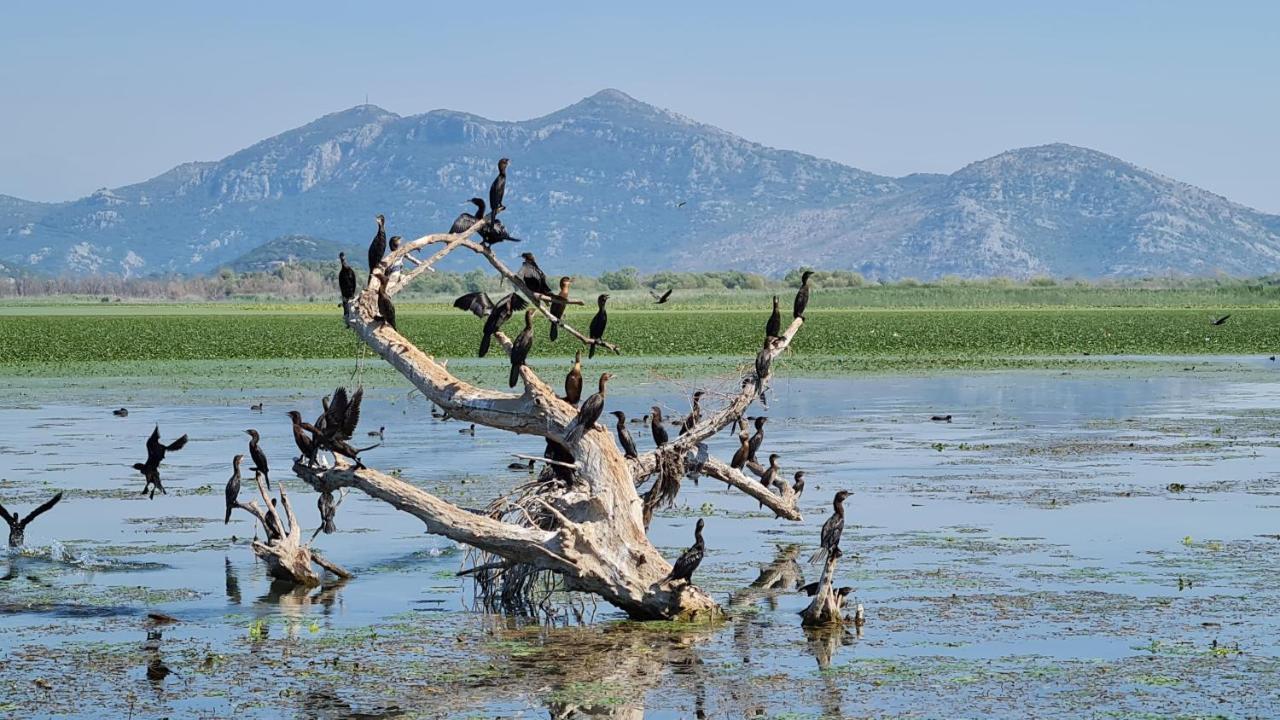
column 1087, row 543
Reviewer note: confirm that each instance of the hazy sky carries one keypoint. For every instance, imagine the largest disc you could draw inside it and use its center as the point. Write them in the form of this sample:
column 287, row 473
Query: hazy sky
column 104, row 94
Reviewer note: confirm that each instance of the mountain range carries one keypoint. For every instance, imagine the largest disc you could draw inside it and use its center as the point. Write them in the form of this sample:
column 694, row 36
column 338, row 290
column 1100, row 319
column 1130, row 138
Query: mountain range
column 611, row 181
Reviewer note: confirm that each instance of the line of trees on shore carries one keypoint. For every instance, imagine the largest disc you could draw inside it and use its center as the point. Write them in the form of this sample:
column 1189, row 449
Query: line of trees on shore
column 315, row 281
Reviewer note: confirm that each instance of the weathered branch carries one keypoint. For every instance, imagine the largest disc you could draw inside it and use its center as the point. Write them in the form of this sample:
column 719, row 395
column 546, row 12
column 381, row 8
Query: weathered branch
column 827, row 605
column 784, row 505
column 287, row 558
column 452, row 242
column 729, row 414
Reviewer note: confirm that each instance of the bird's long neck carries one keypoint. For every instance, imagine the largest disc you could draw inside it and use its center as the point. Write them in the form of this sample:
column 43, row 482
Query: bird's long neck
column 603, row 381
column 838, row 506
column 697, row 536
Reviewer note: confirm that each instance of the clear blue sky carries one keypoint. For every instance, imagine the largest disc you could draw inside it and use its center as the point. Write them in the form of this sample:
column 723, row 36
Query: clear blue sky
column 104, row 94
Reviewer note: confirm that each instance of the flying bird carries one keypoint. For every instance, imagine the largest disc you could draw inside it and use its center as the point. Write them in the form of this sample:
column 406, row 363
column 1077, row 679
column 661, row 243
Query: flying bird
column 476, row 303
column 156, row 451
column 663, row 298
column 1219, row 320
column 503, row 310
column 18, row 524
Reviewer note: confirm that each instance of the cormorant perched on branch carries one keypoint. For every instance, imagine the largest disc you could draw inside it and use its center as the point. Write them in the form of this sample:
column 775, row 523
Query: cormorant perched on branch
column 476, row 303
column 520, row 348
column 802, row 295
column 690, row 559
column 258, row 457
column 832, row 529
column 557, row 309
column 770, row 475
column 695, row 414
column 598, row 324
column 757, row 439
column 624, row 435
column 656, row 427
column 589, row 413
column 233, row 487
column 306, row 443
column 273, row 525
column 466, row 220
column 498, row 189
column 532, row 276
column 346, row 282
column 494, row 232
column 774, row 326
column 378, row 247
column 396, row 268
column 155, row 455
column 573, row 381
column 386, row 308
column 740, row 457
column 661, row 299
column 503, row 311
column 18, row 524
column 340, row 421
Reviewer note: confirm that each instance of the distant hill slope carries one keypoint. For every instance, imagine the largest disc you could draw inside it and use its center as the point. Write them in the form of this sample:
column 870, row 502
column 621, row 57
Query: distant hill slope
column 288, row 249
column 600, row 184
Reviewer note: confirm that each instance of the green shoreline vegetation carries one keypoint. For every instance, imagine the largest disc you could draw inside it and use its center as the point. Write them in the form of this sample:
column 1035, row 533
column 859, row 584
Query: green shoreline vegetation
column 949, row 324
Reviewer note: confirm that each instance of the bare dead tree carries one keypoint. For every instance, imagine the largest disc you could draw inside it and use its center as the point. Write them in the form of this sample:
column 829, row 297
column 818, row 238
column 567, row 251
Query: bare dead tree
column 588, row 531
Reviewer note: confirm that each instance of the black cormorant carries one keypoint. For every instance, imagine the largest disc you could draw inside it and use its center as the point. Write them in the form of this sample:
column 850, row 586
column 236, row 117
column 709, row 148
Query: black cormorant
column 306, row 443
column 340, row 421
column 802, row 295
column 743, row 453
column 656, row 427
column 695, row 414
column 521, row 466
column 1219, row 320
column 155, row 455
column 661, row 299
column 494, row 232
column 598, row 324
column 386, row 308
column 520, row 348
column 690, row 559
column 757, row 439
column 378, row 247
column 258, row 457
column 798, row 486
column 774, row 326
column 122, row 412
column 233, row 487
column 832, row 529
column 397, row 267
column 498, row 189
column 502, row 311
column 346, row 282
column 558, row 308
column 18, row 524
column 624, row 435
column 466, row 220
column 589, row 413
column 469, row 430
column 273, row 524
column 573, row 381
column 328, row 509
column 476, row 303
column 380, row 433
column 770, row 475
column 532, row 276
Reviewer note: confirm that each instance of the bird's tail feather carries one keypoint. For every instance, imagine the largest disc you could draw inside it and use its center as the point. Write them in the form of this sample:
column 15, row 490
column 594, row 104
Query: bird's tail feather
column 555, row 330
column 484, row 344
column 819, row 556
